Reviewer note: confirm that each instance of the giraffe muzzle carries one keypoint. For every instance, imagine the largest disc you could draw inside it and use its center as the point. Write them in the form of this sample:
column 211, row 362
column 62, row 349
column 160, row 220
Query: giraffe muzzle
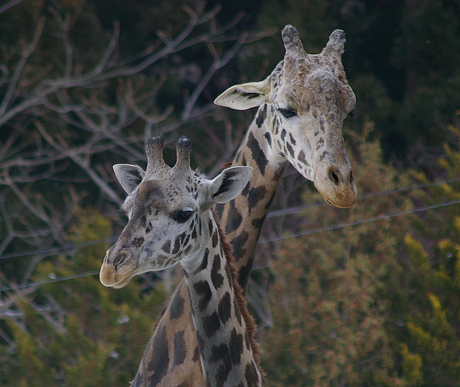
column 338, row 188
column 117, row 272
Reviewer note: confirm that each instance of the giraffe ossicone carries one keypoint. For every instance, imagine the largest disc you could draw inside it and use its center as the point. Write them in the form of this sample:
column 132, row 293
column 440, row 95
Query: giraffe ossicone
column 170, row 221
column 303, row 104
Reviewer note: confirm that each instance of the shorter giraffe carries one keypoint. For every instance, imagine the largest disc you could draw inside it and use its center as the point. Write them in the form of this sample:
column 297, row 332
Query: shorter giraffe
column 170, row 221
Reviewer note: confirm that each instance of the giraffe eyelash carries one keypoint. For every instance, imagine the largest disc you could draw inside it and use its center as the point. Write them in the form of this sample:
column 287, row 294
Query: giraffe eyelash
column 182, row 216
column 288, row 113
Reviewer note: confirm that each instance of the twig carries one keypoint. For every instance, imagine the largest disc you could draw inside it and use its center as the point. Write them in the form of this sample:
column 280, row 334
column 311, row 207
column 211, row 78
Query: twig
column 17, row 73
column 12, row 3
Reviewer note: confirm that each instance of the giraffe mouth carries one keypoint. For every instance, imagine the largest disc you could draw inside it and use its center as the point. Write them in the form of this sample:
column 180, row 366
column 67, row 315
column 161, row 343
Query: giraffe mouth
column 329, row 202
column 337, row 204
column 109, row 277
column 124, row 281
column 339, row 195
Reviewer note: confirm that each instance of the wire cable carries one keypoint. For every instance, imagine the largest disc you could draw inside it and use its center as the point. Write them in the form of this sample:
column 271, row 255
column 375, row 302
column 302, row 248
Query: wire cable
column 308, row 232
column 358, row 222
column 294, row 210
column 53, row 249
column 271, row 214
column 29, row 285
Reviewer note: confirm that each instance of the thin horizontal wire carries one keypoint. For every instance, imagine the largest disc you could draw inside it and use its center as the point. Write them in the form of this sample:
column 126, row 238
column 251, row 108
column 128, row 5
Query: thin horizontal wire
column 271, row 214
column 30, row 285
column 294, row 210
column 309, row 232
column 358, row 222
column 53, row 249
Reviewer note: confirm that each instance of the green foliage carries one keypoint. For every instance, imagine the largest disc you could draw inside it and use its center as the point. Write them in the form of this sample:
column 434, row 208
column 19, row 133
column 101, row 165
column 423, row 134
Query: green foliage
column 375, row 304
column 411, row 366
column 77, row 332
column 428, row 44
column 430, row 333
column 330, row 300
column 426, row 50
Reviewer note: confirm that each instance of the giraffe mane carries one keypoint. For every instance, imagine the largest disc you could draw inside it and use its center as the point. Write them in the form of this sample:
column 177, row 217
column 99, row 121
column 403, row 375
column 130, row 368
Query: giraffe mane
column 227, row 164
column 238, row 291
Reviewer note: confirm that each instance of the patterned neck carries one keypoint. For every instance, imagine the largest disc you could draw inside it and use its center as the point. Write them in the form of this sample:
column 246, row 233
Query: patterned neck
column 244, row 216
column 172, row 354
column 223, row 325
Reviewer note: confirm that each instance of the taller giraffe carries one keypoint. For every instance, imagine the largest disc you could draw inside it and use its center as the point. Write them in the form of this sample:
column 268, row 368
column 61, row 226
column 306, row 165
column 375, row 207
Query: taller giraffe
column 302, row 106
column 170, row 221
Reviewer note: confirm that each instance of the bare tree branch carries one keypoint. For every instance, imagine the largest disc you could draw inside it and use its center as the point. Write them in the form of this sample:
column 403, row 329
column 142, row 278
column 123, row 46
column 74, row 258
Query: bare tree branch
column 217, row 64
column 7, row 99
column 64, row 125
column 84, row 164
column 10, row 4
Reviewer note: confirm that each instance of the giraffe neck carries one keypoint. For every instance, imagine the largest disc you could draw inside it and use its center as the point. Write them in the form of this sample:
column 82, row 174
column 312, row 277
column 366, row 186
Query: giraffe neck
column 242, row 220
column 244, row 216
column 224, row 328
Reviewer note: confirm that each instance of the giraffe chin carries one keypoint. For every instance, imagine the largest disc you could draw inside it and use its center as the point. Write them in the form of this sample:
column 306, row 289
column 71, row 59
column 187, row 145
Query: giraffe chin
column 339, row 203
column 111, row 279
column 339, row 195
column 123, row 283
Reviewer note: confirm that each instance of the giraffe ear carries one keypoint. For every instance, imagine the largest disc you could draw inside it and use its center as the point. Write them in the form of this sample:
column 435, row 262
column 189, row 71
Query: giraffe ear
column 245, row 96
column 129, row 176
column 229, row 184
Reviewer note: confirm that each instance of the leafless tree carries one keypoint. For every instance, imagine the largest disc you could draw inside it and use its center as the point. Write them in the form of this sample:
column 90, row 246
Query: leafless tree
column 60, row 133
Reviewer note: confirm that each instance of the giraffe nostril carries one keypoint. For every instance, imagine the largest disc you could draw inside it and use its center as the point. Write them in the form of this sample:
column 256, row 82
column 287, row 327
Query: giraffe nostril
column 334, row 175
column 119, row 259
column 352, row 178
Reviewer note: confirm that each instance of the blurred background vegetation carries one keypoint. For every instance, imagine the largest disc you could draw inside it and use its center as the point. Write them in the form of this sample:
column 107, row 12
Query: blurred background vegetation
column 368, row 296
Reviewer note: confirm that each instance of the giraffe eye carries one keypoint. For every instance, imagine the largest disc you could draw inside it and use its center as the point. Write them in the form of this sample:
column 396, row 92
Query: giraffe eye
column 182, row 216
column 287, row 112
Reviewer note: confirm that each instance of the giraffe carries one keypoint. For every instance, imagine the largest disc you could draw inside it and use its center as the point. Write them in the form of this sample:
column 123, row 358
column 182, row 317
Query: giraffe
column 171, row 221
column 301, row 108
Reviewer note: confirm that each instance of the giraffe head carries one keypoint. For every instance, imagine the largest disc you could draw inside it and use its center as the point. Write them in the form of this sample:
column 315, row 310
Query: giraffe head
column 168, row 211
column 304, row 103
